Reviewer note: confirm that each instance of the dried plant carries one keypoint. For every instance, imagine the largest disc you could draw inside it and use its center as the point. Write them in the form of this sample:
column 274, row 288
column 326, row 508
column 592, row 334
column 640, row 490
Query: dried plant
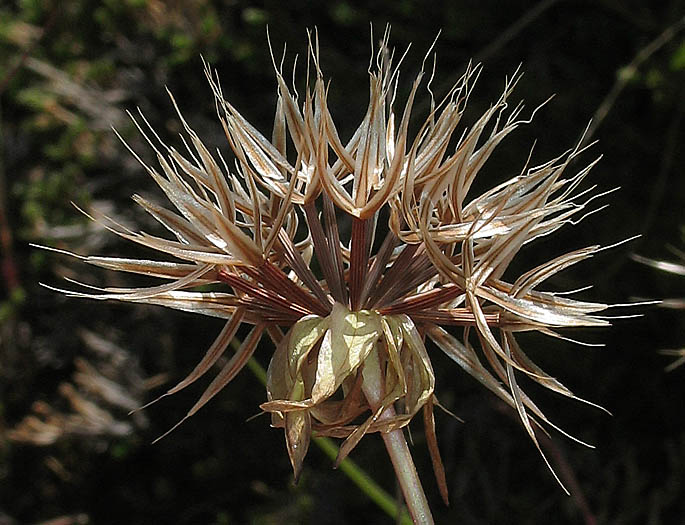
column 293, row 241
column 101, row 393
column 676, row 268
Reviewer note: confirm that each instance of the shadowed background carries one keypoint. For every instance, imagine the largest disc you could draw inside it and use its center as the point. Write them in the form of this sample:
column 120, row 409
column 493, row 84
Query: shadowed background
column 69, row 70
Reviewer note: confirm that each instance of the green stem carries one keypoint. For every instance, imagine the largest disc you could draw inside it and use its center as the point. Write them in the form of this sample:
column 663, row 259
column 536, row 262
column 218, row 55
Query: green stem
column 367, row 485
column 361, row 479
column 396, row 444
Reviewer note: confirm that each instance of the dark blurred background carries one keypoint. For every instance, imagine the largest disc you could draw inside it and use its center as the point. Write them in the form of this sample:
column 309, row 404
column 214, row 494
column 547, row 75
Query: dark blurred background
column 70, row 370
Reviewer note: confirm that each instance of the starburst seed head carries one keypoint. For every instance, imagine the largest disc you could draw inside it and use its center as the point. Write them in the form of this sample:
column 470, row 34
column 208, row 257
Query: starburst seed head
column 351, row 302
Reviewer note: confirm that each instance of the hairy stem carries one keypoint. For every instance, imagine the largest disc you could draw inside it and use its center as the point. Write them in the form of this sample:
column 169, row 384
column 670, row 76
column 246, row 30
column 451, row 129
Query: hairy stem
column 396, row 444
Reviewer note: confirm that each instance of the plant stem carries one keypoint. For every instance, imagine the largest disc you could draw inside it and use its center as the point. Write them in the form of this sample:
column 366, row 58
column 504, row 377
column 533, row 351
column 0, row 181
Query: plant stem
column 396, row 445
column 357, row 475
column 366, row 484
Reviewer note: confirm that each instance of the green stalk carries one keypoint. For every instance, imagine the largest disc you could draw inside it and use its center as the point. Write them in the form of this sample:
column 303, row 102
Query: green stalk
column 367, row 485
column 396, row 444
column 361, row 479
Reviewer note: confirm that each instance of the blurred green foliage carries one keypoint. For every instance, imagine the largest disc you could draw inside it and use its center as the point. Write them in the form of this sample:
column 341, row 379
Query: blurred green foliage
column 69, row 70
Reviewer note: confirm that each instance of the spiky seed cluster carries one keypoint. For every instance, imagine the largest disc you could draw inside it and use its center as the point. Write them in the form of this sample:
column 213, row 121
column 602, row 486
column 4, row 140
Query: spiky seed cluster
column 349, row 314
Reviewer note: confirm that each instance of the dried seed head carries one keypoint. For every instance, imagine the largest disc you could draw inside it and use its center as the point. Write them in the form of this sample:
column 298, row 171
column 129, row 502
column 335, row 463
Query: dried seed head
column 356, row 312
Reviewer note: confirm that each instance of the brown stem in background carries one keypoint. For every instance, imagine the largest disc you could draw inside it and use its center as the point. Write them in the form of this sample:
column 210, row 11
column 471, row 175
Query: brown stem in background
column 671, row 145
column 626, row 74
column 566, row 472
column 513, row 30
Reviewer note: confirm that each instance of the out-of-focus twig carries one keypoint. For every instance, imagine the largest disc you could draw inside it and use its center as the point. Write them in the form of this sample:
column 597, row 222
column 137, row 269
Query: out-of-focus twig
column 510, row 33
column 627, row 72
column 76, row 519
column 513, row 30
column 566, row 472
column 98, row 396
column 671, row 146
column 99, row 105
column 569, row 477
